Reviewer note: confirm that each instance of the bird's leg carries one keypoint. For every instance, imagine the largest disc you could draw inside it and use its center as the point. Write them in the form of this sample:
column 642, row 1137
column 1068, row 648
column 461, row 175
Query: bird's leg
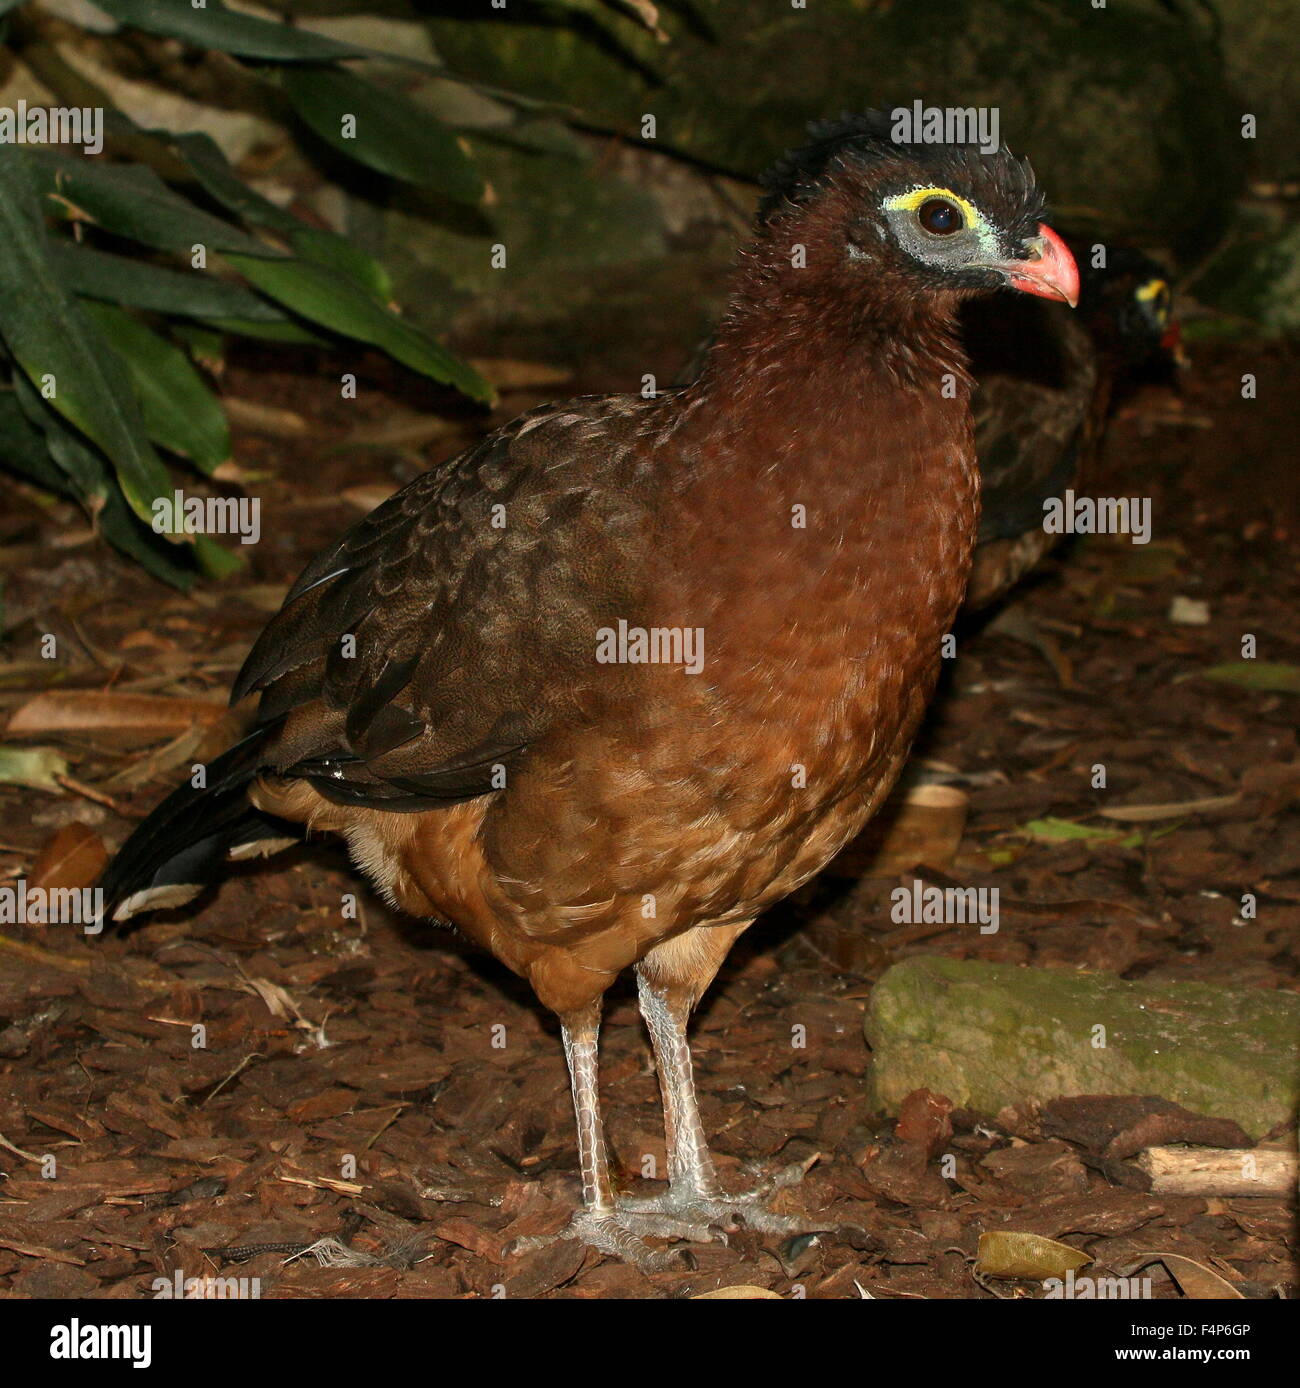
column 581, row 1035
column 690, row 1163
column 600, row 1223
column 694, row 1192
column 670, row 978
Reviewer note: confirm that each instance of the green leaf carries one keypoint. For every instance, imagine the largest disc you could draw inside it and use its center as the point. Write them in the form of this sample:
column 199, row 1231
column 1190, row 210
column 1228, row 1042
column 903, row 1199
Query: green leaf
column 392, row 134
column 1059, row 830
column 178, row 224
column 347, row 258
column 135, row 203
column 215, row 560
column 220, row 181
column 177, row 565
column 82, row 472
column 229, row 31
column 50, row 337
column 38, row 444
column 132, row 201
column 206, row 346
column 34, row 767
column 1257, row 674
column 171, row 563
column 179, row 411
column 288, row 331
column 23, row 447
column 313, row 292
column 118, row 279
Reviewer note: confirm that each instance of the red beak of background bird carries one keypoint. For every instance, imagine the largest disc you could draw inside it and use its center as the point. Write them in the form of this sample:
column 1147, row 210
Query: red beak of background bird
column 1052, row 275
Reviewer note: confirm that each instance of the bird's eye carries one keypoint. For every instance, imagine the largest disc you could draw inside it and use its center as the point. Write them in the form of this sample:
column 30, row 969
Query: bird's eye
column 940, row 217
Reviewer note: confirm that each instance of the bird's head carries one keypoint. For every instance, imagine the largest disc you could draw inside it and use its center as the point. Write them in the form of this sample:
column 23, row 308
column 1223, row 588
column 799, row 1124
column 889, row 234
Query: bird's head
column 932, row 220
column 1129, row 304
column 1148, row 315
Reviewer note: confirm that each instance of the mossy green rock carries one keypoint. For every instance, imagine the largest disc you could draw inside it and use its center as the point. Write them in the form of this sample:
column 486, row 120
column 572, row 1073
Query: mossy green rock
column 988, row 1035
column 1263, row 65
column 1125, row 110
column 569, row 233
column 1257, row 278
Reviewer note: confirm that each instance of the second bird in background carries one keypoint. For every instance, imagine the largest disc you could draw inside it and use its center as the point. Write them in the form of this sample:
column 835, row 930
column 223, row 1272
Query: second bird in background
column 1045, row 382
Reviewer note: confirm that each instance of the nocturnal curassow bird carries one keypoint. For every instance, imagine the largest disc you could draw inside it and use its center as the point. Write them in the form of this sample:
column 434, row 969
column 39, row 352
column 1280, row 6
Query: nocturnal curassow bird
column 1044, row 382
column 605, row 687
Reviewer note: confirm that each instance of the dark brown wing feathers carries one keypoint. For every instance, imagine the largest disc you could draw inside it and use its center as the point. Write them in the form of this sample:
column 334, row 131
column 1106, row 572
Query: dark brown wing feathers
column 444, row 629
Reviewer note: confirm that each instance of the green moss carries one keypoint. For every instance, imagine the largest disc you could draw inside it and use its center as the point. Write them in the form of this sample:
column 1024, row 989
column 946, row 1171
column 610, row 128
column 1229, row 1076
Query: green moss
column 1124, row 111
column 989, row 1035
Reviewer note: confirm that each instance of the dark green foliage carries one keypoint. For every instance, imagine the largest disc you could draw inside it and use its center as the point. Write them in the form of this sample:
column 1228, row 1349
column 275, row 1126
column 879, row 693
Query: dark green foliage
column 97, row 395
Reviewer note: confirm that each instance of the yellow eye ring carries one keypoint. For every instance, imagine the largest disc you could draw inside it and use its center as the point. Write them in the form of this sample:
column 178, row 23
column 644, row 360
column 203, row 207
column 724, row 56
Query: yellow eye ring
column 1156, row 294
column 972, row 219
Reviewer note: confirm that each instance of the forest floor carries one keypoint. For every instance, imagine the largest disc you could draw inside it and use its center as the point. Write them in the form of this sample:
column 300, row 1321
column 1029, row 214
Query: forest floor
column 373, row 1080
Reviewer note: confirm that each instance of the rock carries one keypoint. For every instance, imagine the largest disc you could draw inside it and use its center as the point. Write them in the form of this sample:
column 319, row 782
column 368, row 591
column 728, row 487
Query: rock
column 1263, row 64
column 571, row 235
column 989, row 1035
column 1125, row 110
column 1257, row 276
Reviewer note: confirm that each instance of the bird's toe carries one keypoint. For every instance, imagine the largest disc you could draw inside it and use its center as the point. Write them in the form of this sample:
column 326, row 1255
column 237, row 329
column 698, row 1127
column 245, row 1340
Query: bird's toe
column 622, row 1235
column 704, row 1216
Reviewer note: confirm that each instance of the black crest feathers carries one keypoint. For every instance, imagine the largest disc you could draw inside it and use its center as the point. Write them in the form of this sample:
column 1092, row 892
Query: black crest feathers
column 1005, row 183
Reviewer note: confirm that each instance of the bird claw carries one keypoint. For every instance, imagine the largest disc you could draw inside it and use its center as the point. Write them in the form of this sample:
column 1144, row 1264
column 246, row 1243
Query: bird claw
column 692, row 1216
column 618, row 1234
column 711, row 1213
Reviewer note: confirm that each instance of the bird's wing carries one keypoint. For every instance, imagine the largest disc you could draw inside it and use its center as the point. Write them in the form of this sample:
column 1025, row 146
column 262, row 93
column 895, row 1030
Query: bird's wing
column 1029, row 446
column 451, row 627
column 1036, row 375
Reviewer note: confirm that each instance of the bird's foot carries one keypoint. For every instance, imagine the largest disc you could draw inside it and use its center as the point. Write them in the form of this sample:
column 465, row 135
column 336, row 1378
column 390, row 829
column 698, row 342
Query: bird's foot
column 710, row 1213
column 621, row 1234
column 685, row 1214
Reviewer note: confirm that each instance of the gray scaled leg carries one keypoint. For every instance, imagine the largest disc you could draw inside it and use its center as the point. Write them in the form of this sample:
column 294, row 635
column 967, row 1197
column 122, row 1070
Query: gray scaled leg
column 602, row 1222
column 694, row 1192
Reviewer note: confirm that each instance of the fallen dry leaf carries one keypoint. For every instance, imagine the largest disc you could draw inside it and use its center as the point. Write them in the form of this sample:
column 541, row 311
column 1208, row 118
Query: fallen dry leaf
column 88, row 710
column 259, row 418
column 73, row 858
column 1010, row 1254
column 1195, row 1280
column 925, row 1120
column 922, row 826
column 738, row 1294
column 367, row 497
column 507, row 373
column 1141, row 814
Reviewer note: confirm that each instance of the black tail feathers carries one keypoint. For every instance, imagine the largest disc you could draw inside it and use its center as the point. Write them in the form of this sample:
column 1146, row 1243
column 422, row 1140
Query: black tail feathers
column 183, row 845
